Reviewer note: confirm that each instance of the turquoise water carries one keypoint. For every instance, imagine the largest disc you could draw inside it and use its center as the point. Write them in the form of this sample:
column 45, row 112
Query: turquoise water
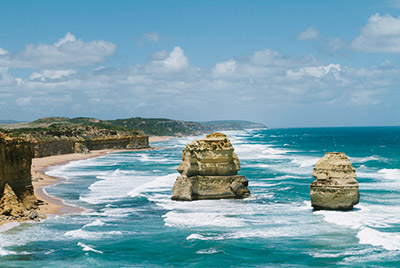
column 130, row 221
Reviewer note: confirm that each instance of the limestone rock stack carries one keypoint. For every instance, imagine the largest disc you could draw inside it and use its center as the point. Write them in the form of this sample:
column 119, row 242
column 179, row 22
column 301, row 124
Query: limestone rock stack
column 335, row 187
column 209, row 171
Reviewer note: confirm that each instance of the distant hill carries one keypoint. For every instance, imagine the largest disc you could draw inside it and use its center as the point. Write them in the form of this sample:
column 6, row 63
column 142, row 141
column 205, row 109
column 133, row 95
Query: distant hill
column 150, row 126
column 161, row 126
column 232, row 125
column 169, row 127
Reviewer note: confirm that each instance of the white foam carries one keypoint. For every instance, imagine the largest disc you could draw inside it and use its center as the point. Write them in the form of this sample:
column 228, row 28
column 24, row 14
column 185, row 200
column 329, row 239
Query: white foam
column 367, row 158
column 113, row 187
column 116, row 212
column 88, row 248
column 154, row 184
column 97, row 222
column 386, row 179
column 305, row 161
column 387, row 240
column 367, row 219
column 82, row 234
column 7, row 226
column 246, row 233
column 209, row 251
column 201, row 219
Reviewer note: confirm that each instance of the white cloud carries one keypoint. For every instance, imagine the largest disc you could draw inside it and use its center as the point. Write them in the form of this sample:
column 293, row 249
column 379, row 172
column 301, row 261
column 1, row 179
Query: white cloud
column 260, row 84
column 3, row 52
column 51, row 74
column 226, row 67
column 66, row 52
column 315, row 71
column 380, row 34
column 175, row 61
column 308, row 34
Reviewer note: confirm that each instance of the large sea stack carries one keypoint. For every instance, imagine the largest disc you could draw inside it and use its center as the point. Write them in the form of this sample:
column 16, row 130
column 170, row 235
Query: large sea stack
column 209, row 171
column 335, row 187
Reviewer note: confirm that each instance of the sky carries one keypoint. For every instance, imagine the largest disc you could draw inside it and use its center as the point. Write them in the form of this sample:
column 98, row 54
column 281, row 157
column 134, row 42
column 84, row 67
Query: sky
column 314, row 63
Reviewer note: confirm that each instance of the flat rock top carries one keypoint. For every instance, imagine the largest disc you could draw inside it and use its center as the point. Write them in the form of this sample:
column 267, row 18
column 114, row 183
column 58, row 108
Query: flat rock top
column 215, row 141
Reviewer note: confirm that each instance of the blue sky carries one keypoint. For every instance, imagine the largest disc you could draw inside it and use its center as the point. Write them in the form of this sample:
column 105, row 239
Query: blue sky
column 282, row 63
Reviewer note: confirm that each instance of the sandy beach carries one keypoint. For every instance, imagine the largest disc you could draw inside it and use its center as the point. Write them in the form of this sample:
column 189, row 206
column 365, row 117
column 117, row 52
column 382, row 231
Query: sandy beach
column 53, row 205
column 159, row 138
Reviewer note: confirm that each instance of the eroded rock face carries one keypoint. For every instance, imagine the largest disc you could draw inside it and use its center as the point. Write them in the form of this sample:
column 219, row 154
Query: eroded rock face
column 335, row 187
column 209, row 171
column 17, row 196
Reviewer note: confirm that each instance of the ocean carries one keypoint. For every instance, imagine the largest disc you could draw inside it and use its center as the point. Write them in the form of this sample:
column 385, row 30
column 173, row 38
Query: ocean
column 130, row 221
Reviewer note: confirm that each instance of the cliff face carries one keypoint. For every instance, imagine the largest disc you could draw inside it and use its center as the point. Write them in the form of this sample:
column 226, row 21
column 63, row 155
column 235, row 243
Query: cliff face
column 335, row 186
column 81, row 140
column 128, row 142
column 18, row 200
column 209, row 171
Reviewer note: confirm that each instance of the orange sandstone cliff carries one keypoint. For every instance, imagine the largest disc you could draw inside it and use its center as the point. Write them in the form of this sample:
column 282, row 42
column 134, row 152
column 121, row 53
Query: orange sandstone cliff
column 18, row 201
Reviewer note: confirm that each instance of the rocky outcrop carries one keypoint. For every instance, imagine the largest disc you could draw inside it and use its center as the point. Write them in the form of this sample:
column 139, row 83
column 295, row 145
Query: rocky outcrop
column 47, row 144
column 18, row 201
column 209, row 171
column 335, row 187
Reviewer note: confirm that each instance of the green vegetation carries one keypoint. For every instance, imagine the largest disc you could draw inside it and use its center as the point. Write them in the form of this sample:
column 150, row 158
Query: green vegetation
column 86, row 127
column 65, row 128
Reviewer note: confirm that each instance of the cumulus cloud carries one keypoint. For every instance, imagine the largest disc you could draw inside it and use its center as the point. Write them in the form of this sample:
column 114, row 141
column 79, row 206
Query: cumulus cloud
column 315, row 71
column 174, row 61
column 261, row 84
column 50, row 74
column 308, row 34
column 380, row 34
column 226, row 67
column 3, row 52
column 66, row 52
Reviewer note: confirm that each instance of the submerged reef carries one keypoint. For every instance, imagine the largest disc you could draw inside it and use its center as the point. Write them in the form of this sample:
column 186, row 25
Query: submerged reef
column 335, row 187
column 209, row 171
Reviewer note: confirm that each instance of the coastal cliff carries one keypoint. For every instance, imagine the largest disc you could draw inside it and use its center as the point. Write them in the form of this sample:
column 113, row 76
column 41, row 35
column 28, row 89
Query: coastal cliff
column 57, row 138
column 209, row 171
column 18, row 201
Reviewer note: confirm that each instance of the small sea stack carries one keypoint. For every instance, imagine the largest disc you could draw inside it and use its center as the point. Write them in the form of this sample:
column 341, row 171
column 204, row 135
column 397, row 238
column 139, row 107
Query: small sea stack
column 209, row 171
column 335, row 187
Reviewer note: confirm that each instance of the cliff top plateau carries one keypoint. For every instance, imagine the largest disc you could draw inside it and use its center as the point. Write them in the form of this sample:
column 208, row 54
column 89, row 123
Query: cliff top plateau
column 151, row 126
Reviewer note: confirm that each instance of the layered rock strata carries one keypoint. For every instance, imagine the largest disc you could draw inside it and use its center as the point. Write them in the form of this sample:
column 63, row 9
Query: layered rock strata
column 209, row 171
column 17, row 201
column 57, row 145
column 335, row 187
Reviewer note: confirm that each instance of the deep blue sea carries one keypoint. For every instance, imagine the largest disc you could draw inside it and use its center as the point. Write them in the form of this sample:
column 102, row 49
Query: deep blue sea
column 130, row 221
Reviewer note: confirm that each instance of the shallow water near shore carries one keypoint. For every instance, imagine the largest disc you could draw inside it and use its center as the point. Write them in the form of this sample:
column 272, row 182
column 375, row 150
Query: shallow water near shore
column 130, row 221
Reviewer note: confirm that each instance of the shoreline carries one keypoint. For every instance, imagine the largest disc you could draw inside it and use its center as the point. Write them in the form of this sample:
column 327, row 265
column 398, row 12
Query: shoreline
column 52, row 205
column 160, row 138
